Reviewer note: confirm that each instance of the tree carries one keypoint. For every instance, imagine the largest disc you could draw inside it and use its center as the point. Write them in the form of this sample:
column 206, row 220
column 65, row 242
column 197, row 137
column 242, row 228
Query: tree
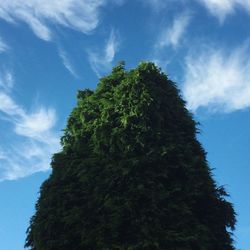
column 131, row 174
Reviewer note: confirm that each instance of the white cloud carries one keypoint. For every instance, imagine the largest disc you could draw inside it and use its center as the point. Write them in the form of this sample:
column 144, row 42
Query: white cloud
column 173, row 35
column 34, row 124
column 222, row 8
column 38, row 139
column 81, row 15
column 6, row 80
column 3, row 46
column 111, row 47
column 8, row 106
column 218, row 80
column 102, row 61
column 25, row 159
column 67, row 64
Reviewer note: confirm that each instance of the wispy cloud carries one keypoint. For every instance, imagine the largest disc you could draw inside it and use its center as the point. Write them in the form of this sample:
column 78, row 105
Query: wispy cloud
column 35, row 124
column 81, row 15
column 218, row 80
column 101, row 61
column 3, row 46
column 171, row 36
column 6, row 80
column 67, row 64
column 8, row 106
column 222, row 8
column 34, row 139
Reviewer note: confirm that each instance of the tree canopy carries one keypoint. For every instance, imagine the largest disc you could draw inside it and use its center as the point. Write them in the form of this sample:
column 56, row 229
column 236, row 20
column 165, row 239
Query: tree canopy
column 131, row 174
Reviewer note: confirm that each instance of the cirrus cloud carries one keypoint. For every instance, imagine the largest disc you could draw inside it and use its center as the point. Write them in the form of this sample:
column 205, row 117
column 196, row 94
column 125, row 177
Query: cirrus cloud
column 218, row 80
column 34, row 137
column 81, row 15
column 222, row 8
column 171, row 36
column 101, row 61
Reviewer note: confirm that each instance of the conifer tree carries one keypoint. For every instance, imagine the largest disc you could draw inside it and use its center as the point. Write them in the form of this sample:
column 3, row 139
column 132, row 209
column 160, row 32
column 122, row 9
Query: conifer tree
column 131, row 174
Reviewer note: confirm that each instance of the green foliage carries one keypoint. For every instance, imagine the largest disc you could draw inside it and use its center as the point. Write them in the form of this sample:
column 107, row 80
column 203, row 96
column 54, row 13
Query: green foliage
column 131, row 174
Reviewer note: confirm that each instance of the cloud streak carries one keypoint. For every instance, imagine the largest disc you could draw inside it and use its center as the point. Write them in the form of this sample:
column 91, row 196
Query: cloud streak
column 173, row 34
column 222, row 8
column 101, row 61
column 67, row 64
column 34, row 139
column 6, row 80
column 218, row 80
column 81, row 15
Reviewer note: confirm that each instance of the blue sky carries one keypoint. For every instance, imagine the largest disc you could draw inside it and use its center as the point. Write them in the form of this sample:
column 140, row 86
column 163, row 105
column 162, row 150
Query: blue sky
column 51, row 49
